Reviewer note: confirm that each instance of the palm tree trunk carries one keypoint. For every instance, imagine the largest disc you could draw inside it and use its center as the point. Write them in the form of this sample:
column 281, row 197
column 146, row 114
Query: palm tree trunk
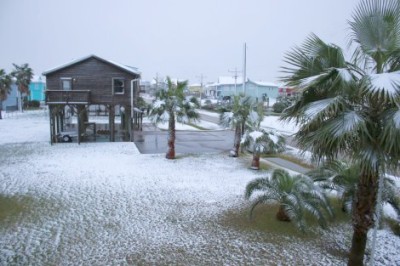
column 363, row 212
column 255, row 163
column 236, row 143
column 281, row 215
column 171, row 137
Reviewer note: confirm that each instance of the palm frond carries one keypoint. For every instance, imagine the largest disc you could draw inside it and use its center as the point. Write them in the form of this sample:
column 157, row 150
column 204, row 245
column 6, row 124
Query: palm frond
column 262, row 184
column 386, row 85
column 375, row 27
column 261, row 199
column 390, row 137
column 295, row 194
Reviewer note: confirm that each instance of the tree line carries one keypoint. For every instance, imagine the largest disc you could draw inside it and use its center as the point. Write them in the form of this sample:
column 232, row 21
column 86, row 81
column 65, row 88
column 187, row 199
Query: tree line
column 22, row 74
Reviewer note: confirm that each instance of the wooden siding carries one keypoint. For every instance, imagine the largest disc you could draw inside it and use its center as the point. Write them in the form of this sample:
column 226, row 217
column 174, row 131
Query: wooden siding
column 95, row 76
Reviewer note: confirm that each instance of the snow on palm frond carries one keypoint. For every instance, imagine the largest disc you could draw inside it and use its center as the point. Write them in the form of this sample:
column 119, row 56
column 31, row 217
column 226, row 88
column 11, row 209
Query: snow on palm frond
column 386, row 83
column 254, row 118
column 158, row 103
column 164, row 117
column 255, row 135
column 347, row 123
column 191, row 104
column 341, row 75
column 344, row 74
column 319, row 108
column 396, row 119
column 184, row 119
column 226, row 119
column 309, row 81
column 273, row 137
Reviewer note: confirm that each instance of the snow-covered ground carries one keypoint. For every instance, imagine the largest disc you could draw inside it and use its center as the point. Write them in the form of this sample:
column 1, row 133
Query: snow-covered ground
column 106, row 204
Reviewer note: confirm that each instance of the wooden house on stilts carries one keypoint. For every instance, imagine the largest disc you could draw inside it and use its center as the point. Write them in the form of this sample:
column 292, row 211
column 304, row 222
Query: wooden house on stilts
column 92, row 85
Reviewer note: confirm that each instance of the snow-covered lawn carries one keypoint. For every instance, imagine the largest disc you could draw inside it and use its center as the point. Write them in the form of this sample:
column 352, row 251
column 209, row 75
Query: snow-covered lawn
column 106, row 204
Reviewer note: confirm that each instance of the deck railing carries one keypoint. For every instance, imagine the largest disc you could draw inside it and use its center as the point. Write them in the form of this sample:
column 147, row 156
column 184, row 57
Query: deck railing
column 68, row 97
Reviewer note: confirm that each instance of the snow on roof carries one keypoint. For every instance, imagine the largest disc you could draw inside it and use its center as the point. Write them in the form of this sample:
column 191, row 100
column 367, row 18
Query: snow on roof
column 265, row 83
column 228, row 80
column 129, row 69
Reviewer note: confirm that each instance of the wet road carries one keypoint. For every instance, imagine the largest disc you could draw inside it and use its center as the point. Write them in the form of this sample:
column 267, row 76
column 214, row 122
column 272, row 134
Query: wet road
column 155, row 141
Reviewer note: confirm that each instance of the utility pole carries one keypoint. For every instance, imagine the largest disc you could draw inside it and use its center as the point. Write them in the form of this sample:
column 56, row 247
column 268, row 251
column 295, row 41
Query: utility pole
column 244, row 70
column 235, row 76
column 157, row 78
column 201, row 77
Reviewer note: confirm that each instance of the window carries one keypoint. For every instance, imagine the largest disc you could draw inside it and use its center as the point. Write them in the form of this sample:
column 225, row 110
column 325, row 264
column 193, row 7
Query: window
column 66, row 84
column 118, row 85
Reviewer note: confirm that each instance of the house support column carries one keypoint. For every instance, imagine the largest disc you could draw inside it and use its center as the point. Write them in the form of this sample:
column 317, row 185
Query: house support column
column 111, row 122
column 52, row 127
column 129, row 122
column 82, row 118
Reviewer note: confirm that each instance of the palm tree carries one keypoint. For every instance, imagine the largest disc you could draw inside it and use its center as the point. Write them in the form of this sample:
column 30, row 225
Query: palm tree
column 352, row 108
column 259, row 140
column 236, row 119
column 296, row 196
column 171, row 104
column 23, row 75
column 5, row 88
column 343, row 178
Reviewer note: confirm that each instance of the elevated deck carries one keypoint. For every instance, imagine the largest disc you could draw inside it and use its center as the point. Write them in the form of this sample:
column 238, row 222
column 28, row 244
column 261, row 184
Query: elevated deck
column 68, row 97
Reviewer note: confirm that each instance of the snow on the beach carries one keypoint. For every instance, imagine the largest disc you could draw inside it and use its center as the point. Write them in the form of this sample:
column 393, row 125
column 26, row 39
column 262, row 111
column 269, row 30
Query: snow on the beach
column 107, row 204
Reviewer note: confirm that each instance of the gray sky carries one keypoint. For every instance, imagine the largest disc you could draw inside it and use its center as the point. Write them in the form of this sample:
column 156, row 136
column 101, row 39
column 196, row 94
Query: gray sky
column 179, row 38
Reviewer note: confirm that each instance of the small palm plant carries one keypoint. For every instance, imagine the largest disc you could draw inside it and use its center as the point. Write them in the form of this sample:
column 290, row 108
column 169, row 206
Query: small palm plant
column 171, row 104
column 260, row 141
column 296, row 196
column 236, row 119
column 343, row 178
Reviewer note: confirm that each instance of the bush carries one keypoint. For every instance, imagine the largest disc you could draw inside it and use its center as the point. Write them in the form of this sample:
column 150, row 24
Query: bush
column 32, row 104
column 278, row 107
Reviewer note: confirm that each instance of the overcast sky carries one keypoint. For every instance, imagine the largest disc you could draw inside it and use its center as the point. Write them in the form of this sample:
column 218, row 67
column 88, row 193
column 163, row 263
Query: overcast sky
column 180, row 38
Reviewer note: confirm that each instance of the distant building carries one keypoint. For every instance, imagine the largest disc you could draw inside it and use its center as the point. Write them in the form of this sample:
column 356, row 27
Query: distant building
column 37, row 88
column 11, row 103
column 287, row 91
column 195, row 89
column 228, row 86
column 145, row 86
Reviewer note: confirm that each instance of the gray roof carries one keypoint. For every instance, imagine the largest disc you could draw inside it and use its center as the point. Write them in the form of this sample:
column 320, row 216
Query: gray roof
column 129, row 69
